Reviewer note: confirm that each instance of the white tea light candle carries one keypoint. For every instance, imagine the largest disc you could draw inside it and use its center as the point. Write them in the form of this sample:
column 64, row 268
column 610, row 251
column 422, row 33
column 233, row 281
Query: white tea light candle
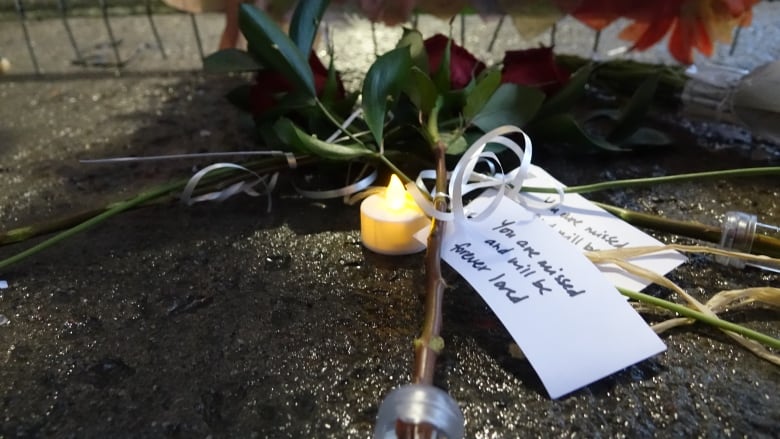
column 389, row 221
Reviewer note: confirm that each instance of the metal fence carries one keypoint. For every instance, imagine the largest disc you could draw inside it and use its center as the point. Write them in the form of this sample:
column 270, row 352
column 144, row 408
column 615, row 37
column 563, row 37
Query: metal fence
column 73, row 36
column 108, row 12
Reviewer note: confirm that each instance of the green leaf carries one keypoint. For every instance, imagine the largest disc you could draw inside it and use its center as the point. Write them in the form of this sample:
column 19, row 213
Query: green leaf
column 562, row 101
column 240, row 97
column 644, row 136
column 293, row 136
column 481, row 94
column 267, row 134
column 384, row 80
column 305, row 23
column 634, row 112
column 290, row 102
column 511, row 104
column 421, row 90
column 456, row 143
column 563, row 128
column 272, row 47
column 230, row 60
column 413, row 39
column 331, row 91
column 442, row 76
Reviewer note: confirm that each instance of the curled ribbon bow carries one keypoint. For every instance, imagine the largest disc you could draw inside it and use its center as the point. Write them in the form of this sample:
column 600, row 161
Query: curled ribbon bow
column 464, row 180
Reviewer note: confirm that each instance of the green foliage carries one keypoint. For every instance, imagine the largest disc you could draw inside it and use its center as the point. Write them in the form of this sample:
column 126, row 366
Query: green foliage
column 384, row 81
column 511, row 104
column 240, row 97
column 644, row 136
column 293, row 102
column 330, row 92
column 563, row 128
column 565, row 98
column 480, row 94
column 412, row 38
column 442, row 76
column 230, row 60
column 421, row 90
column 634, row 112
column 305, row 23
column 451, row 116
column 273, row 48
column 305, row 143
column 456, row 143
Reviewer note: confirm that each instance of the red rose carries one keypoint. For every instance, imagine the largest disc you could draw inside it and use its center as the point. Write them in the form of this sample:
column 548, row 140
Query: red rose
column 269, row 85
column 463, row 65
column 534, row 68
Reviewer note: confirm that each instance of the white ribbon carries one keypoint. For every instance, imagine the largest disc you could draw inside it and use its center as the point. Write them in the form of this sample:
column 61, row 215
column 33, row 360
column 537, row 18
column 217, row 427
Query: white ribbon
column 463, row 179
column 269, row 182
column 345, row 191
column 344, row 125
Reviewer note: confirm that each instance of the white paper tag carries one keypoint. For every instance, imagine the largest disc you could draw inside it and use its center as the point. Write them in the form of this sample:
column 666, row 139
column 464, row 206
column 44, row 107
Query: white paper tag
column 589, row 227
column 570, row 322
column 3, row 284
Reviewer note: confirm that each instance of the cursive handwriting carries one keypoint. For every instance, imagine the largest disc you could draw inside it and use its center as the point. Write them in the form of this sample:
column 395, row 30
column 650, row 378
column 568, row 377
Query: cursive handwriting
column 469, row 256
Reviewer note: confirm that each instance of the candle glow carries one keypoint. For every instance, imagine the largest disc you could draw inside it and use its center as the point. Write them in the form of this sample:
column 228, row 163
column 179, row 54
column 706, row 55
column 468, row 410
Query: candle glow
column 389, row 221
column 395, row 194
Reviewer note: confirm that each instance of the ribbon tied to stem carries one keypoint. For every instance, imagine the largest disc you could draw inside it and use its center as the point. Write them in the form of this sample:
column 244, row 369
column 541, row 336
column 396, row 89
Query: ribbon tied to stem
column 464, row 179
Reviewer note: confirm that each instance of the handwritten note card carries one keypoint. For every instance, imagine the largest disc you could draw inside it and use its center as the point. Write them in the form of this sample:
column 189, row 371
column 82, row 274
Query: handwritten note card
column 589, row 227
column 569, row 321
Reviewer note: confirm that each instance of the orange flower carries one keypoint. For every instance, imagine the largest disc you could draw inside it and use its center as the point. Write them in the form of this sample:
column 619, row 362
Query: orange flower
column 694, row 24
column 598, row 14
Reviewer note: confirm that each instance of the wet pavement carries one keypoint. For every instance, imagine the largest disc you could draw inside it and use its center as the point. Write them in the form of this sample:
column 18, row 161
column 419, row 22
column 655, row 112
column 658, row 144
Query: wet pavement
column 225, row 320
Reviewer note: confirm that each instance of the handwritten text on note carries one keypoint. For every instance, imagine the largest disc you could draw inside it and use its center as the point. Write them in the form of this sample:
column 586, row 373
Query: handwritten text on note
column 555, row 303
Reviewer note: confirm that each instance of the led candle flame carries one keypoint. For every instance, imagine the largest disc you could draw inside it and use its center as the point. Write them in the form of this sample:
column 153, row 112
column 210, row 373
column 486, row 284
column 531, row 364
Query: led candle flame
column 395, row 194
column 389, row 221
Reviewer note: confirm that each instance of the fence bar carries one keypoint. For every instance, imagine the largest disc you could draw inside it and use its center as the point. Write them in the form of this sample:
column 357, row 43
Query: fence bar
column 112, row 40
column 495, row 33
column 463, row 30
column 596, row 41
column 197, row 35
column 23, row 20
column 154, row 29
column 64, row 14
column 735, row 40
column 553, row 32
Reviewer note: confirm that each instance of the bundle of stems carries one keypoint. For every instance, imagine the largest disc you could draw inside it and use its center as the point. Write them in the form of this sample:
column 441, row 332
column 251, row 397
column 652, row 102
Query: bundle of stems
column 73, row 224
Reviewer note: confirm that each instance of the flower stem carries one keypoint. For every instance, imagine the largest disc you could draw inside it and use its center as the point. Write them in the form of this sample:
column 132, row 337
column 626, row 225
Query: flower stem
column 95, row 220
column 80, row 222
column 634, row 182
column 404, row 178
column 714, row 321
column 762, row 244
column 335, row 122
column 430, row 343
